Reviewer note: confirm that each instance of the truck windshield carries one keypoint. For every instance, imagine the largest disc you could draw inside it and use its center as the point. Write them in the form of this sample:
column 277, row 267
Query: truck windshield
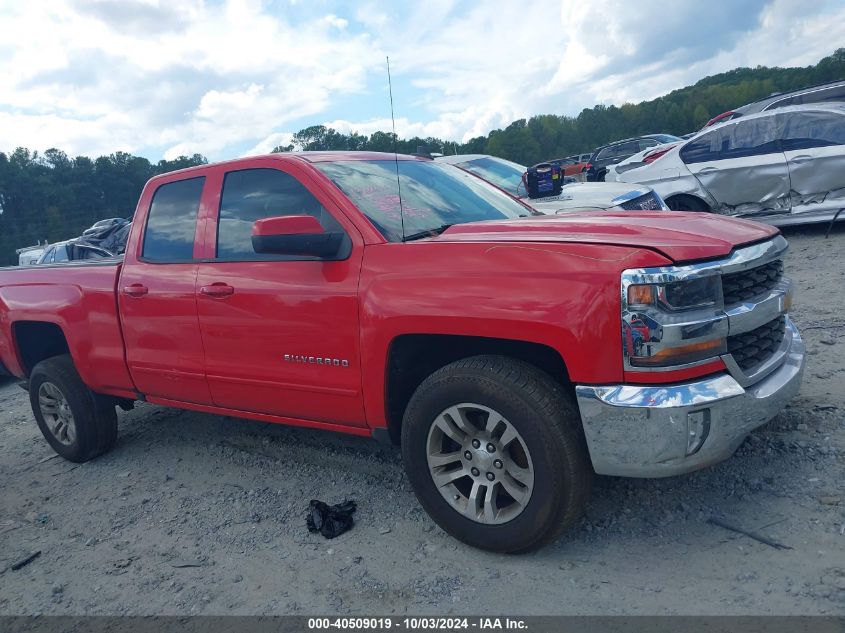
column 433, row 195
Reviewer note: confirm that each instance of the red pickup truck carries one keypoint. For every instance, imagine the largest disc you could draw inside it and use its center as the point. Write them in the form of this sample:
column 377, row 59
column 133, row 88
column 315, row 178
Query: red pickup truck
column 486, row 340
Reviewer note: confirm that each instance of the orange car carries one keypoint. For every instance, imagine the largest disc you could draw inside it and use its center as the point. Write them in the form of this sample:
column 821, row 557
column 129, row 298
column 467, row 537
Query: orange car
column 572, row 167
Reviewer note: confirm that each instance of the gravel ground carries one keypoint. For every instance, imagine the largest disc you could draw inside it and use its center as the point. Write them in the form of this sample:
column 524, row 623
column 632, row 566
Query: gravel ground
column 200, row 514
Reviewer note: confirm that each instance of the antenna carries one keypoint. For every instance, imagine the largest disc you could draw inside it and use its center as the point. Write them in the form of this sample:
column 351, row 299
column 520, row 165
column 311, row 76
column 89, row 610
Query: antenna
column 395, row 153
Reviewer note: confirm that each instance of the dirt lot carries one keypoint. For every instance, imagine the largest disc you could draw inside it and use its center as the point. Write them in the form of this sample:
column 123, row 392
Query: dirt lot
column 202, row 514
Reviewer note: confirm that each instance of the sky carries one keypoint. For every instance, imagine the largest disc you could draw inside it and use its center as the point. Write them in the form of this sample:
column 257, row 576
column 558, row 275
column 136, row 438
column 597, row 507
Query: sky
column 228, row 78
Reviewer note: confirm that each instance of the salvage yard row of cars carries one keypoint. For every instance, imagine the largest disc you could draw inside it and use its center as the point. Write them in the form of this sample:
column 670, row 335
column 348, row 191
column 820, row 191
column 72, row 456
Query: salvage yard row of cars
column 784, row 166
column 790, row 145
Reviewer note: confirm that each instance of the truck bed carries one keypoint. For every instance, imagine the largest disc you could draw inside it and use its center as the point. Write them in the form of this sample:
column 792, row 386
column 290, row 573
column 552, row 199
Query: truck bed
column 78, row 298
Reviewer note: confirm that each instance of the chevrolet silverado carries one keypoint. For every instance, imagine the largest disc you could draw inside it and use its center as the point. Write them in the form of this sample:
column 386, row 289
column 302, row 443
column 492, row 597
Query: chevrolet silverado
column 511, row 355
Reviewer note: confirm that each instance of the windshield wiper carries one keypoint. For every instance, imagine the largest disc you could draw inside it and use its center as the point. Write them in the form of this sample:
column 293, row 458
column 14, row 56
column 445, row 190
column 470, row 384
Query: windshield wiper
column 437, row 230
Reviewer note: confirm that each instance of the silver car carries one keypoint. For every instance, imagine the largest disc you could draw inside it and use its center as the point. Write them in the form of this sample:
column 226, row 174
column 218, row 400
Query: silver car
column 785, row 166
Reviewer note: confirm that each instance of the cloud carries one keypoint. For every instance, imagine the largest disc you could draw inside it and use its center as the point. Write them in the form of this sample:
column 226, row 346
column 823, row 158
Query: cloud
column 336, row 22
column 211, row 77
column 162, row 78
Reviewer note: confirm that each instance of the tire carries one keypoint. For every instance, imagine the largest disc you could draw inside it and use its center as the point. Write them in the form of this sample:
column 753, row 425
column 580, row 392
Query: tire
column 56, row 391
column 601, row 176
column 548, row 441
column 687, row 203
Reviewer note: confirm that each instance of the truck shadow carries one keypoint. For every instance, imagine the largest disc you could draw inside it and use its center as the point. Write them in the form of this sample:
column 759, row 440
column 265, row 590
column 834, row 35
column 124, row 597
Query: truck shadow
column 775, row 463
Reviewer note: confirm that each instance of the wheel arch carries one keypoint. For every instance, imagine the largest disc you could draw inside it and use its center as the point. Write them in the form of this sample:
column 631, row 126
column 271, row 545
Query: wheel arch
column 36, row 341
column 414, row 357
column 689, row 198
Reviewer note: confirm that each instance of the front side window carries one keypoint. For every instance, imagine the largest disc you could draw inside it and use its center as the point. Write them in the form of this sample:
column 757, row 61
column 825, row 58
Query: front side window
column 433, row 195
column 702, row 149
column 804, row 130
column 172, row 223
column 255, row 194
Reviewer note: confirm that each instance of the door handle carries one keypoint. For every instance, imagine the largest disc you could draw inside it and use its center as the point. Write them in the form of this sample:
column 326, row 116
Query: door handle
column 218, row 289
column 135, row 290
column 803, row 158
column 706, row 170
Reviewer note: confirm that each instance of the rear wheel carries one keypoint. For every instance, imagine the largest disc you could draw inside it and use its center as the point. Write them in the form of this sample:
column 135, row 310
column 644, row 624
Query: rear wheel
column 686, row 203
column 72, row 419
column 494, row 451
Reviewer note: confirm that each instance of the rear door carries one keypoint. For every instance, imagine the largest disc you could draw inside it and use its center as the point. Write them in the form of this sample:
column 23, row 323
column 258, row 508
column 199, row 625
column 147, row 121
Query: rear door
column 282, row 337
column 742, row 167
column 814, row 146
column 156, row 291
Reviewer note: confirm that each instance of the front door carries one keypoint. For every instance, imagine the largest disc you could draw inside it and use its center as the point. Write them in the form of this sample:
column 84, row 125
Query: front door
column 280, row 333
column 742, row 167
column 814, row 146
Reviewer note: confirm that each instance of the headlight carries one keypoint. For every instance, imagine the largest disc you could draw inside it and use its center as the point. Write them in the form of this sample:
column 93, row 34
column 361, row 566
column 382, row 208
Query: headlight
column 690, row 294
column 672, row 321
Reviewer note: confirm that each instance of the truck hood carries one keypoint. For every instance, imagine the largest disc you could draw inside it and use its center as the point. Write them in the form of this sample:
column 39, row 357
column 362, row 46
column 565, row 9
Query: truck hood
column 680, row 236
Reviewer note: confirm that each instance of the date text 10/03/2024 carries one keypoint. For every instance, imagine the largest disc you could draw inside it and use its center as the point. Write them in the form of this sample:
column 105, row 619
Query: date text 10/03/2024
column 416, row 624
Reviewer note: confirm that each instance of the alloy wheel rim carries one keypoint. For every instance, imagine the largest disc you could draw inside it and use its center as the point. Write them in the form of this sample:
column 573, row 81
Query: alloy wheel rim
column 57, row 414
column 480, row 463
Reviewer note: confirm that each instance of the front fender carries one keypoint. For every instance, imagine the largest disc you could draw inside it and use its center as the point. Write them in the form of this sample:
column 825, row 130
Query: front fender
column 563, row 296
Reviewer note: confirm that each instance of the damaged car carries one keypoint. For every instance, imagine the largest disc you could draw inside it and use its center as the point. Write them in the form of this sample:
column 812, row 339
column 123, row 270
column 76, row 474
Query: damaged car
column 781, row 167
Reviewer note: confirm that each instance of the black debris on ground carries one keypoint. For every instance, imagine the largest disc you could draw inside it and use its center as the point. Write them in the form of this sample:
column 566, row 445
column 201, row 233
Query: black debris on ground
column 330, row 521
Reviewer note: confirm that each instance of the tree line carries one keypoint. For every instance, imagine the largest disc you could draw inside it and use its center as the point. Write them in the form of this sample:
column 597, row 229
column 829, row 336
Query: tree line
column 548, row 136
column 52, row 196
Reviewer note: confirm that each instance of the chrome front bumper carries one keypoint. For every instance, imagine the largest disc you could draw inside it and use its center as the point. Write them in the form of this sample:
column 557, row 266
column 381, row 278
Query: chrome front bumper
column 644, row 431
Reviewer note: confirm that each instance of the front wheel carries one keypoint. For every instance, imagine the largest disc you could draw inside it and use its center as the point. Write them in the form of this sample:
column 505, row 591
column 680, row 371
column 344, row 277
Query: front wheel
column 494, row 451
column 72, row 419
column 686, row 203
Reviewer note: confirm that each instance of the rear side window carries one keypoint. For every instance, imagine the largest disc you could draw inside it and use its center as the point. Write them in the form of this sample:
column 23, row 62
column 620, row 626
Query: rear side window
column 804, row 130
column 255, row 194
column 621, row 150
column 172, row 222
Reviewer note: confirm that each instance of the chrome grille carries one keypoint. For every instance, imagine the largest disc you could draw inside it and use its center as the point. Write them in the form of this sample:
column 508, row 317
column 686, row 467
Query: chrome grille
column 647, row 202
column 749, row 349
column 747, row 284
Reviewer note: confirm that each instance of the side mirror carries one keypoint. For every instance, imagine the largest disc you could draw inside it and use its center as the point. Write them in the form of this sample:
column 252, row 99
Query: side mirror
column 294, row 235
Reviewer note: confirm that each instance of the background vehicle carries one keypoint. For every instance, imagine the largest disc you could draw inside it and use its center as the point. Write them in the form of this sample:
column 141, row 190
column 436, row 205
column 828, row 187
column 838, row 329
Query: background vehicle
column 784, row 166
column 71, row 250
column 572, row 167
column 483, row 338
column 29, row 255
column 637, row 160
column 834, row 91
column 507, row 175
column 618, row 151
